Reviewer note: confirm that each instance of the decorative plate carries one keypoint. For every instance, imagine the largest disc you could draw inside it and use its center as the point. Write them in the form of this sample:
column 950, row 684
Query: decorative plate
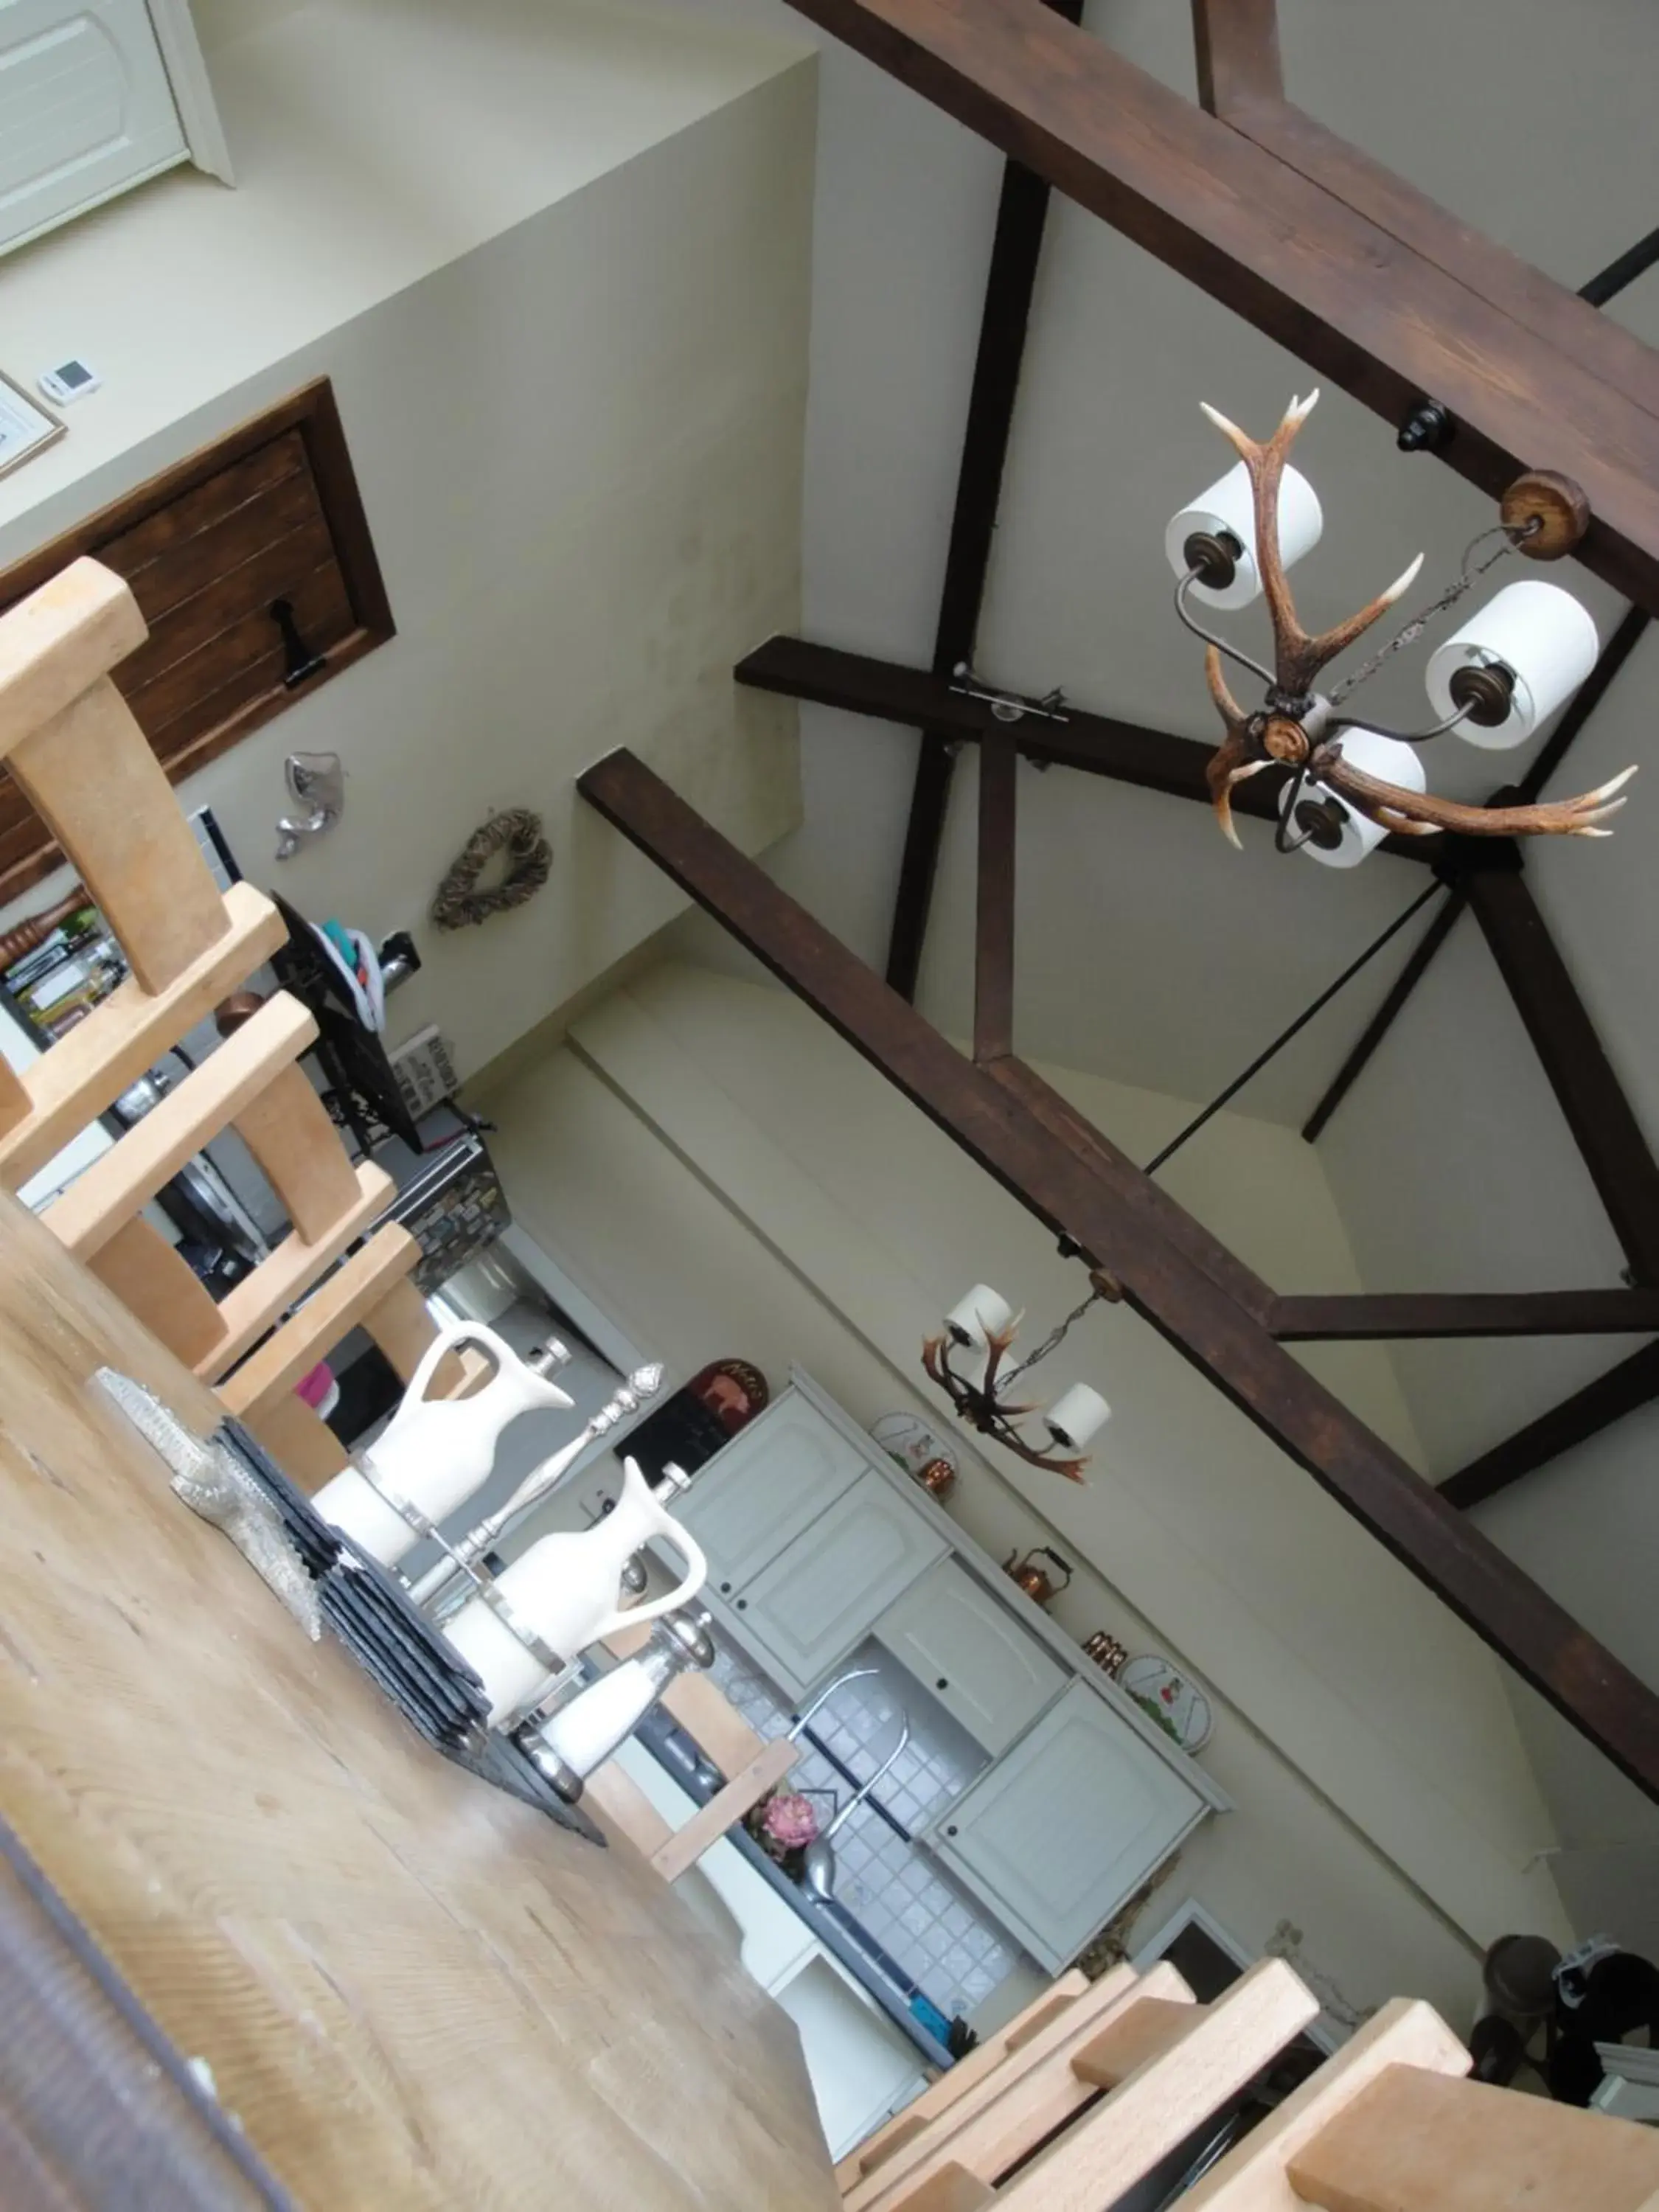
column 1178, row 1705
column 908, row 1439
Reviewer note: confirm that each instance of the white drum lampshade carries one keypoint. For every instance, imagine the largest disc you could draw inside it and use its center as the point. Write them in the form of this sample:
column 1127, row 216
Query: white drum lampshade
column 1226, row 510
column 1384, row 757
column 1543, row 637
column 1076, row 1415
column 972, row 1321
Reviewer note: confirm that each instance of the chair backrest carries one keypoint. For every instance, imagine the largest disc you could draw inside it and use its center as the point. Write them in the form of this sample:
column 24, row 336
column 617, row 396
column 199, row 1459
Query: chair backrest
column 72, row 745
column 969, row 2073
column 1388, row 2125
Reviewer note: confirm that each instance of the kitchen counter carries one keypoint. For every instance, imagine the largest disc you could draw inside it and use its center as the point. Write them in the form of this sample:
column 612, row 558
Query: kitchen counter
column 832, row 1924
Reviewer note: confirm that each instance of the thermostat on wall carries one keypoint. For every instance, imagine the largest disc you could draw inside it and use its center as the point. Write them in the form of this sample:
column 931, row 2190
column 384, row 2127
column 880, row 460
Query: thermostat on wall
column 70, row 379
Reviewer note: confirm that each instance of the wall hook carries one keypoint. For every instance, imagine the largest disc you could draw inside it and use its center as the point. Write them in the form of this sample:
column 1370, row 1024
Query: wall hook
column 317, row 783
column 299, row 661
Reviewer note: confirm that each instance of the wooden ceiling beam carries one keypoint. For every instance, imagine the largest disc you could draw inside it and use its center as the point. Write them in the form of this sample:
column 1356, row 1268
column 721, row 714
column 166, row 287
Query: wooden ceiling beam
column 1139, row 1193
column 1097, row 744
column 1380, row 314
column 1223, row 1342
column 1009, row 281
column 1634, row 1382
column 1609, row 1138
column 994, row 929
column 1237, row 46
column 1561, row 319
column 1412, row 1314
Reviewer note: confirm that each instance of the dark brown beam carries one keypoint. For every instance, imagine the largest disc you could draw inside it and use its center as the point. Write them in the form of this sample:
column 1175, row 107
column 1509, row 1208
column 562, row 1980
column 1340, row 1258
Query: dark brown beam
column 1383, row 1019
column 1562, row 318
column 1096, row 743
column 1422, row 1314
column 1621, row 1391
column 1584, row 701
column 1237, row 44
column 1607, row 1132
column 994, row 934
column 1370, row 311
column 1139, row 1193
column 1016, row 249
column 1221, row 1340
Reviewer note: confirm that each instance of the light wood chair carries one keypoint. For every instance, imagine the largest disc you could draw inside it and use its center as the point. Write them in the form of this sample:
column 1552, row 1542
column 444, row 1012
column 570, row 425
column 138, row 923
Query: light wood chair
column 80, row 757
column 1058, row 2073
column 1389, row 2124
column 969, row 2073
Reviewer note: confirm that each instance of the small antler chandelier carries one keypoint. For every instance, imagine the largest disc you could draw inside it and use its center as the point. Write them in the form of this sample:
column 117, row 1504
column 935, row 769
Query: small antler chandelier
column 1503, row 674
column 980, row 1331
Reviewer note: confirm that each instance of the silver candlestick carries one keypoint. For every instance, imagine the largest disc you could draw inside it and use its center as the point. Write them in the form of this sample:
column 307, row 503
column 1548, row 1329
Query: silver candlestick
column 644, row 1382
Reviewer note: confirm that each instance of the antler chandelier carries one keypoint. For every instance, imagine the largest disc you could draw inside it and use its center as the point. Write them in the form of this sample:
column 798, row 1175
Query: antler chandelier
column 981, row 1332
column 1354, row 782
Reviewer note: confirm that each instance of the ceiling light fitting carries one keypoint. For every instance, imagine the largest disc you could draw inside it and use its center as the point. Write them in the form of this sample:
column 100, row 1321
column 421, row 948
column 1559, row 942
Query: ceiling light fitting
column 966, row 1361
column 1495, row 681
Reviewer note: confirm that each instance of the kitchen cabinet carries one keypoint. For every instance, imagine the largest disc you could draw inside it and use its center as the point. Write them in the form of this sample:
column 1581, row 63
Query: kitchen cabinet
column 771, row 1483
column 964, row 1646
column 1063, row 1829
column 87, row 108
column 824, row 1592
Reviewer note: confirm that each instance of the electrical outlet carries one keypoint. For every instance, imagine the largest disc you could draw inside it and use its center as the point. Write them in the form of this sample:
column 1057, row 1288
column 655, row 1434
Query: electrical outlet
column 425, row 1073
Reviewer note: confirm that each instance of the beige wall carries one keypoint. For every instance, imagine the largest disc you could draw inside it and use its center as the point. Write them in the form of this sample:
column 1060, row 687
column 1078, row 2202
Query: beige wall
column 724, row 1176
column 569, row 343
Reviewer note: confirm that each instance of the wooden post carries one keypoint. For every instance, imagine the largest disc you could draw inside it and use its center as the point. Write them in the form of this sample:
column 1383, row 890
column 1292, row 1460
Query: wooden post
column 85, row 766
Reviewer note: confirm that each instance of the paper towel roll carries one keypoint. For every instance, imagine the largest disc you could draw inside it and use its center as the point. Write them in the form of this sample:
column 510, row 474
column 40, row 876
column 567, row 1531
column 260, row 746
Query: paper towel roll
column 1226, row 508
column 979, row 1313
column 1543, row 637
column 1076, row 1414
column 1375, row 755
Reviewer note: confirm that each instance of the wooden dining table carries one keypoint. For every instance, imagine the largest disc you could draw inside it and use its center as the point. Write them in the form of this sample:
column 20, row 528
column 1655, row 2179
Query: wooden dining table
column 399, row 1986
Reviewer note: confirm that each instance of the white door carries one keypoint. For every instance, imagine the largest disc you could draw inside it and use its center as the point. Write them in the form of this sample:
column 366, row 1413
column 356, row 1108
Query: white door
column 974, row 1655
column 770, row 1482
column 804, row 1613
column 1066, row 1827
column 85, row 109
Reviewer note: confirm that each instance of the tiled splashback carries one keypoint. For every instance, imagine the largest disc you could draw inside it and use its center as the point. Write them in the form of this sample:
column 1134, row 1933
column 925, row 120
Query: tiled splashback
column 942, row 1938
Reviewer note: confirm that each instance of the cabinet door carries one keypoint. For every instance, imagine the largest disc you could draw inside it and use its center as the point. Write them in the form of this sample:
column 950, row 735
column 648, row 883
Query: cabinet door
column 823, row 1595
column 85, row 109
column 973, row 1654
column 764, row 1488
column 1064, row 1828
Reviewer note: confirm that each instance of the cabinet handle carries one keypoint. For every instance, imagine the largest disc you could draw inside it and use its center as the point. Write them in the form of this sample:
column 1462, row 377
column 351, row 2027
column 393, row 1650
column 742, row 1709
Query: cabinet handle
column 942, row 1684
column 950, row 1832
column 743, row 1605
column 725, row 1589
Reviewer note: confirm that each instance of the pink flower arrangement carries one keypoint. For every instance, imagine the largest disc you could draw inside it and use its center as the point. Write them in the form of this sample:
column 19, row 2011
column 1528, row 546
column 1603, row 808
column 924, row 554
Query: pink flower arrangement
column 789, row 1819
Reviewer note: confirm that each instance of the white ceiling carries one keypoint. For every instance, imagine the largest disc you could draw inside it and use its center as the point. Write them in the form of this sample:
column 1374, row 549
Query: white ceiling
column 1148, row 949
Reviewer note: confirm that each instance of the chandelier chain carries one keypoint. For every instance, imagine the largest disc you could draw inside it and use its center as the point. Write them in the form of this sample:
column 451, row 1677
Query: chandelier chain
column 1055, row 1337
column 1466, row 580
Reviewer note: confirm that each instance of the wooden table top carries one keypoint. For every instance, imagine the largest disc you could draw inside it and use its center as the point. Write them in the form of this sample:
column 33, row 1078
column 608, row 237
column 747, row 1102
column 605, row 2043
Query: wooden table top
column 412, row 1990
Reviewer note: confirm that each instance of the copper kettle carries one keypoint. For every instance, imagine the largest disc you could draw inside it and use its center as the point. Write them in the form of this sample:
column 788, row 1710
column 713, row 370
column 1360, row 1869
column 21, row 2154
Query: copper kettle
column 1036, row 1582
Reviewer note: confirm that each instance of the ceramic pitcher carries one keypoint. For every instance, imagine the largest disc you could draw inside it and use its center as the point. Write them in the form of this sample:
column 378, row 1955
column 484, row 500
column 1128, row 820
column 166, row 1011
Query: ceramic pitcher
column 436, row 1452
column 564, row 1590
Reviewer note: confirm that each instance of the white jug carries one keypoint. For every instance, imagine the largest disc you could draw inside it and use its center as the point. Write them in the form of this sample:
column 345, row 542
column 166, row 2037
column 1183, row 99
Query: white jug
column 563, row 1592
column 436, row 1452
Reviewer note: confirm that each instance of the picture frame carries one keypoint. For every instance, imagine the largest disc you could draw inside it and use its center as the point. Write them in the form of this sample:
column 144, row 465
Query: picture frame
column 26, row 427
